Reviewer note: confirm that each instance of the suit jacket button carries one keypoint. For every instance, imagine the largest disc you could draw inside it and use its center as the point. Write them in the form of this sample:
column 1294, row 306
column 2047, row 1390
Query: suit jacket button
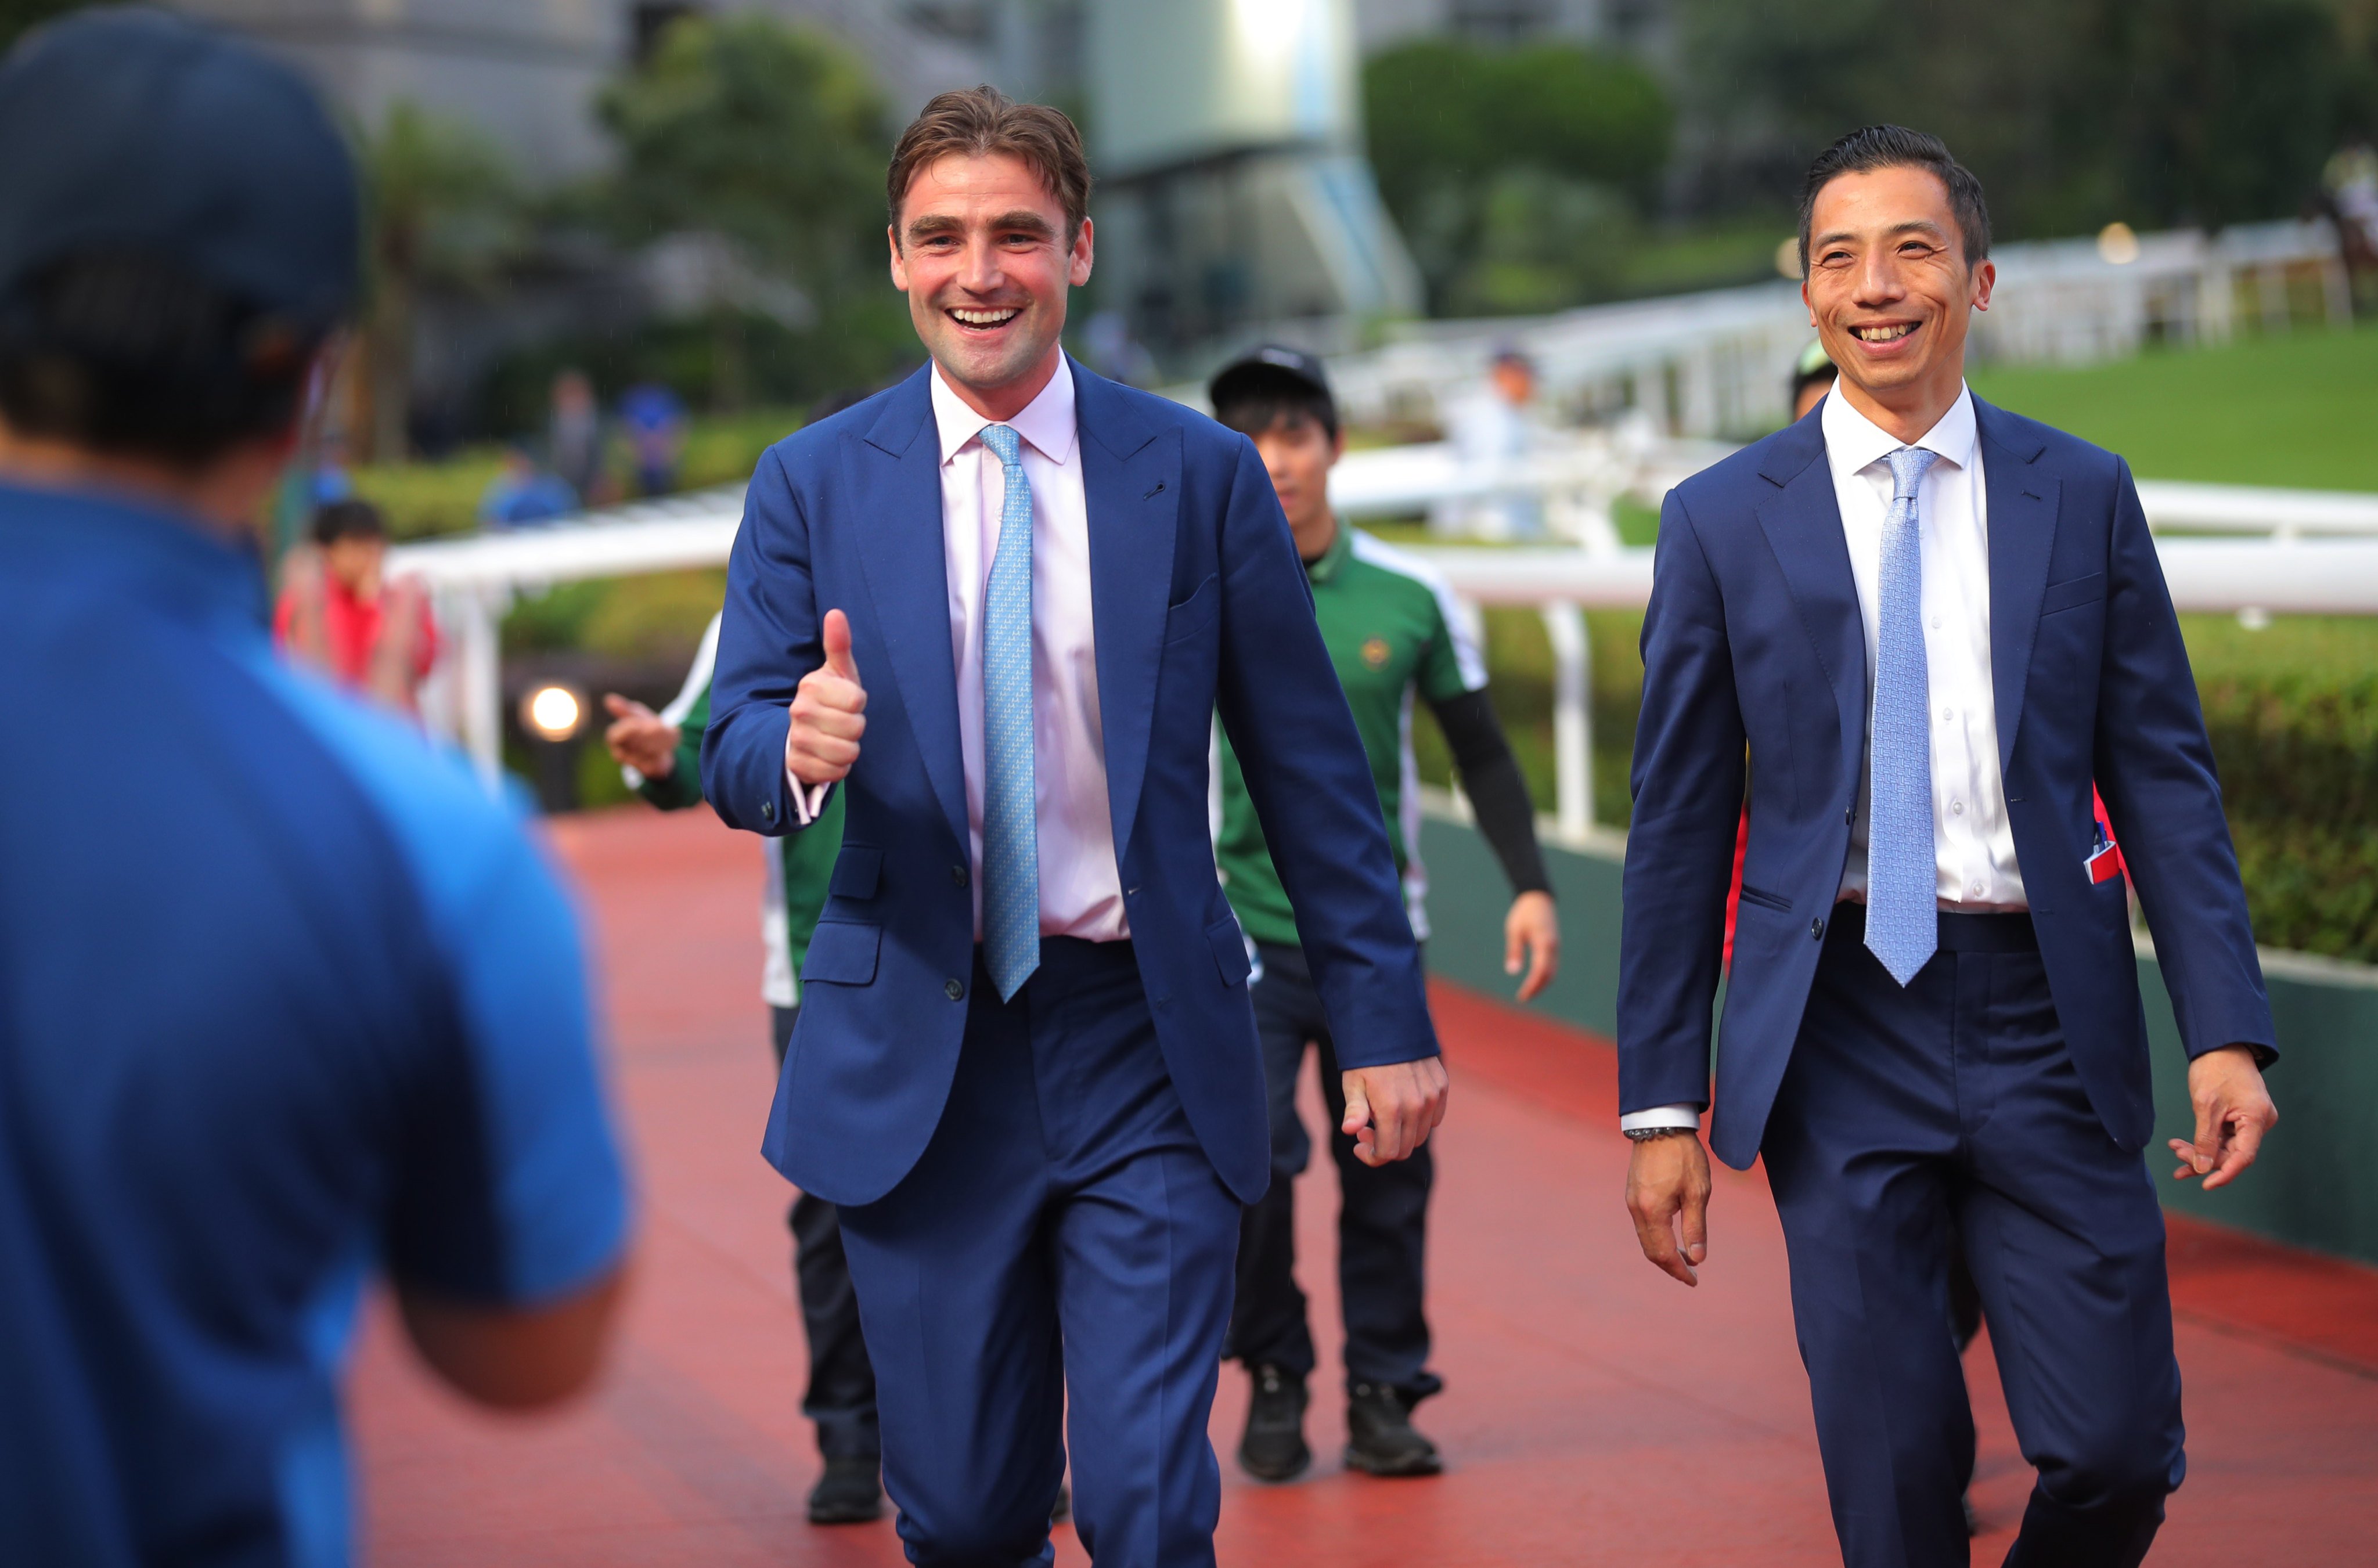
column 954, row 989
column 957, row 876
column 767, row 810
column 1849, row 815
column 1815, row 931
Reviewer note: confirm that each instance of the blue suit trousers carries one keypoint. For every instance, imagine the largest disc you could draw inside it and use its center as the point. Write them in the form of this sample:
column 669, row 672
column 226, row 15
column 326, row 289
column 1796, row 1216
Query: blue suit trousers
column 1956, row 1099
column 1063, row 1230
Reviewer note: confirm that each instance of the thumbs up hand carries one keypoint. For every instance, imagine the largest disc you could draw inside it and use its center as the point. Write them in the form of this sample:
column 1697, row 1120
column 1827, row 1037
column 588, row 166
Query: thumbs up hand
column 829, row 711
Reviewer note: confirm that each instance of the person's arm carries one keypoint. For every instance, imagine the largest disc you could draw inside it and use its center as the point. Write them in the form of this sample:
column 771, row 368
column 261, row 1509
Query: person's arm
column 1311, row 786
column 513, row 1359
column 1506, row 820
column 1687, row 781
column 2154, row 768
column 660, row 754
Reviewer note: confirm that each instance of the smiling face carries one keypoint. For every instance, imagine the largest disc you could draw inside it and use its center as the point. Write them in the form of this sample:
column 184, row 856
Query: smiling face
column 981, row 251
column 1890, row 293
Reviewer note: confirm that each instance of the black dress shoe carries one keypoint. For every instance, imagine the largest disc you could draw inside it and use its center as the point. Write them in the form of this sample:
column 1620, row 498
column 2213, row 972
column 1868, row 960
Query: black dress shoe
column 1380, row 1438
column 1273, row 1448
column 850, row 1493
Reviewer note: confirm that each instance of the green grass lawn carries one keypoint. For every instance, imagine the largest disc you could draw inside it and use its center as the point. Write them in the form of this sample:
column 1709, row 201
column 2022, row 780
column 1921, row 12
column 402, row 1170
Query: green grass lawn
column 2299, row 409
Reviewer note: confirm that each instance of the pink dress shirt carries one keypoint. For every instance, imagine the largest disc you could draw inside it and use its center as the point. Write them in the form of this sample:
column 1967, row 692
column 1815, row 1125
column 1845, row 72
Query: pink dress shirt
column 1081, row 890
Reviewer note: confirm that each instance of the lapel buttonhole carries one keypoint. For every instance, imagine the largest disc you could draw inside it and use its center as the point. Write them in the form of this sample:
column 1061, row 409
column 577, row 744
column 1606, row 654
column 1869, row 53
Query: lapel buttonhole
column 1153, row 494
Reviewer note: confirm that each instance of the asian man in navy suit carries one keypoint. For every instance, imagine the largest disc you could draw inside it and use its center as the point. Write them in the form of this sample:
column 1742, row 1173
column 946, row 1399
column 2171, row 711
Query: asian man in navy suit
column 1000, row 604
column 1933, row 623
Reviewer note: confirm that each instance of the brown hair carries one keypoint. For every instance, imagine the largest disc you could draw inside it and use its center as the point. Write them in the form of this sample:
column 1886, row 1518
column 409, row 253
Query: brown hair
column 981, row 122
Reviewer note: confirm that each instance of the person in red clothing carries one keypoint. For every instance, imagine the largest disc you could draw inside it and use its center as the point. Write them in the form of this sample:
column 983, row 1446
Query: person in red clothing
column 338, row 612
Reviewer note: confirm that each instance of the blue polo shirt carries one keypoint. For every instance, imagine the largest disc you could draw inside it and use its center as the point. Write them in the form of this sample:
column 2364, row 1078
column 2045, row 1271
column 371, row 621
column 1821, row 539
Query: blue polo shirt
column 283, row 996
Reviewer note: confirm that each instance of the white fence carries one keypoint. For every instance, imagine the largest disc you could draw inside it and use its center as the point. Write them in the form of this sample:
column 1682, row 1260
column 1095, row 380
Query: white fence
column 2303, row 552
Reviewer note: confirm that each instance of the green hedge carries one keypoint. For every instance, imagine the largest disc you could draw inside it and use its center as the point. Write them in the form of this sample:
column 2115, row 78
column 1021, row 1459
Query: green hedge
column 2292, row 709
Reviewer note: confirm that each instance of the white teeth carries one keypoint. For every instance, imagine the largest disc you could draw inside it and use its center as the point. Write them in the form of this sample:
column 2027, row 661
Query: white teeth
column 1882, row 334
column 984, row 318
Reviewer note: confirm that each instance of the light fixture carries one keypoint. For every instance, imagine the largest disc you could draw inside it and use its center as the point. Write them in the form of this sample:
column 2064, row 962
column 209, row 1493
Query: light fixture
column 2118, row 243
column 554, row 713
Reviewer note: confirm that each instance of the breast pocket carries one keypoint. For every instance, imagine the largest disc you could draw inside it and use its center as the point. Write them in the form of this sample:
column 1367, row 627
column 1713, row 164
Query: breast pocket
column 1195, row 613
column 2073, row 593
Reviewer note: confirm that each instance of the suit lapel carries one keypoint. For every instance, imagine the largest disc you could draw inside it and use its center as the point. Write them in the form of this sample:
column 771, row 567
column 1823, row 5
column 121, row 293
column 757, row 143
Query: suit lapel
column 1803, row 524
column 2022, row 535
column 907, row 582
column 1132, row 485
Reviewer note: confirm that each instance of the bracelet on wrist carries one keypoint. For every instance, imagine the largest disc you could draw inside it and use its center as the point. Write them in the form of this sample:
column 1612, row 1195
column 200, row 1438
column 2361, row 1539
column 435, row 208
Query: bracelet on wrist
column 1646, row 1134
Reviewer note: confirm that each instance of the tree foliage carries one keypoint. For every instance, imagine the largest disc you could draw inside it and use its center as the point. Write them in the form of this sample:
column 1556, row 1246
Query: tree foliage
column 2073, row 111
column 1513, row 172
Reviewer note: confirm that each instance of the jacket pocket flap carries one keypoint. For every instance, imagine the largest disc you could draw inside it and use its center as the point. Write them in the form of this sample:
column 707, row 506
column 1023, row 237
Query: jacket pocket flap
column 2073, row 593
column 1229, row 951
column 855, row 872
column 1761, row 896
column 843, row 952
column 1197, row 612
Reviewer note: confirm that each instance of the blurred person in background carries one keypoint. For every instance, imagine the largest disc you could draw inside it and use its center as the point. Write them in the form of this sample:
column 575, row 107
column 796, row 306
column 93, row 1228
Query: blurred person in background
column 522, row 492
column 1394, row 633
column 573, row 438
column 1493, row 428
column 285, row 999
column 660, row 754
column 652, row 419
column 1927, row 618
column 339, row 615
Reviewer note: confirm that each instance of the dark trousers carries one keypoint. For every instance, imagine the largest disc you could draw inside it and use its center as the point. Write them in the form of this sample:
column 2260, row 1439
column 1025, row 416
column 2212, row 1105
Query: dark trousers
column 841, row 1398
column 1063, row 1233
column 1382, row 1214
column 1955, row 1100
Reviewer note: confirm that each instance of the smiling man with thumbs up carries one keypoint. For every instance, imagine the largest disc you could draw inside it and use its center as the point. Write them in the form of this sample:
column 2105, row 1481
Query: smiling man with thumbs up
column 997, row 607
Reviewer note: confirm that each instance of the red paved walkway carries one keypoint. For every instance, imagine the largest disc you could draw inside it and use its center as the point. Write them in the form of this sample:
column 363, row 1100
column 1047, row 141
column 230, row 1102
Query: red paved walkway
column 1596, row 1412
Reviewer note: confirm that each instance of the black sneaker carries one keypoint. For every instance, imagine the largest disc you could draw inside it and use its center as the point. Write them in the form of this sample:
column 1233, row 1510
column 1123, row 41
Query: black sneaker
column 1273, row 1448
column 1380, row 1439
column 850, row 1493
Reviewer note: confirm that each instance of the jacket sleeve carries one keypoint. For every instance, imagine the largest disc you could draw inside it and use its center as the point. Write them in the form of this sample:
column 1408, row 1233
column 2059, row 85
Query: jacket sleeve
column 2154, row 768
column 767, row 642
column 1687, row 780
column 1311, row 784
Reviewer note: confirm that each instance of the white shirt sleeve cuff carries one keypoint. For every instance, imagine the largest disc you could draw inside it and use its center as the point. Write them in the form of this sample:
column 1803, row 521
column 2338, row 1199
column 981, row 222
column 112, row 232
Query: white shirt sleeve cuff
column 808, row 799
column 1684, row 1115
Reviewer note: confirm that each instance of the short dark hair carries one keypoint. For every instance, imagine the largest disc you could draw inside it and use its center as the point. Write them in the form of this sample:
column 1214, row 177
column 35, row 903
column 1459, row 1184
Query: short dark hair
column 1255, row 398
column 1821, row 374
column 979, row 122
column 125, row 354
column 349, row 518
column 1896, row 147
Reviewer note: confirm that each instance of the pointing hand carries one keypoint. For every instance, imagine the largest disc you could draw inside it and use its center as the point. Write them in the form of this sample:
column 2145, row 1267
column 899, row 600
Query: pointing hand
column 829, row 711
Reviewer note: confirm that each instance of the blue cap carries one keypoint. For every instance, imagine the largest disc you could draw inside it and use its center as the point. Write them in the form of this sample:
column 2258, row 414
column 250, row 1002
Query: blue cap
column 133, row 130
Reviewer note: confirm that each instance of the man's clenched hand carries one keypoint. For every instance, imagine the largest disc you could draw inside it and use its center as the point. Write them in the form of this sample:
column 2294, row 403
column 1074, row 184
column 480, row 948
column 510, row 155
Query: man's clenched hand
column 829, row 711
column 640, row 738
column 1391, row 1110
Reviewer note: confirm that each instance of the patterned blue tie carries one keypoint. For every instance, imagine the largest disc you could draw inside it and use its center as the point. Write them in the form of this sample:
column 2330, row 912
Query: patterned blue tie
column 1011, row 850
column 1902, row 924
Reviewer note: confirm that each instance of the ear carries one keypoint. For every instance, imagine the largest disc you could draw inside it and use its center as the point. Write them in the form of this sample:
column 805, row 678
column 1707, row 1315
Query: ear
column 1986, row 278
column 1077, row 264
column 899, row 262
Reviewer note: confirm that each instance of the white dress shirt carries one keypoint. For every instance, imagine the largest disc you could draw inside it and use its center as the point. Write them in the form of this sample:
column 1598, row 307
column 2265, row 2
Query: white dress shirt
column 1081, row 890
column 1973, row 844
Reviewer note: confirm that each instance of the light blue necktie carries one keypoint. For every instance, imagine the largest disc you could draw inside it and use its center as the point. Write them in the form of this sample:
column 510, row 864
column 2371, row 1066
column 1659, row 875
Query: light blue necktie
column 1011, row 851
column 1903, row 926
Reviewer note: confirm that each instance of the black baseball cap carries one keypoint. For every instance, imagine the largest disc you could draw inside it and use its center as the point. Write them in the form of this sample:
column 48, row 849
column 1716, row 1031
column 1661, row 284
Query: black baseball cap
column 133, row 130
column 1273, row 363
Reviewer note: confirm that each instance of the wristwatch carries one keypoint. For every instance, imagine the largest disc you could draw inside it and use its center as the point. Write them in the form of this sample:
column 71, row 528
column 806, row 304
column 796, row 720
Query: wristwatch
column 1645, row 1135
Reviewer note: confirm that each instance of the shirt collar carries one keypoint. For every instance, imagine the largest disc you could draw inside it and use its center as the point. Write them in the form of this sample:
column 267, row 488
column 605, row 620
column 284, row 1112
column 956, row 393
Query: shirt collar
column 1853, row 442
column 1325, row 565
column 1047, row 422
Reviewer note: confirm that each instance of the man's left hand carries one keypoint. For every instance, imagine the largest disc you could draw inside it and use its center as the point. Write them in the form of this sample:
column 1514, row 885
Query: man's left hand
column 1391, row 1110
column 2233, row 1112
column 1533, row 930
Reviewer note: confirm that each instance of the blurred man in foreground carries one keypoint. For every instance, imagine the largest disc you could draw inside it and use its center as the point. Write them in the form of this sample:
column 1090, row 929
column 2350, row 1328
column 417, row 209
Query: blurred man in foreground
column 1927, row 619
column 282, row 995
column 1394, row 633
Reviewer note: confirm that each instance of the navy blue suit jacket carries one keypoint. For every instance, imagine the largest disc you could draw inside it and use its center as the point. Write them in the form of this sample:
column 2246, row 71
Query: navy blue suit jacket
column 1200, row 603
column 1753, row 634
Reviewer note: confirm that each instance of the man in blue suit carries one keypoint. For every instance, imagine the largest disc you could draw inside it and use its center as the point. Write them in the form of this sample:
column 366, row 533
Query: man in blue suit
column 998, row 605
column 1932, row 624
